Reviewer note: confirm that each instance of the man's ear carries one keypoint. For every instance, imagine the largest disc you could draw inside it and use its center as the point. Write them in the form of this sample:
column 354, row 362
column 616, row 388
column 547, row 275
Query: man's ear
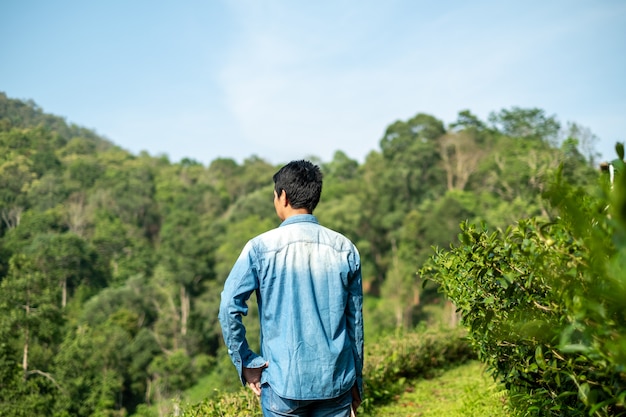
column 284, row 201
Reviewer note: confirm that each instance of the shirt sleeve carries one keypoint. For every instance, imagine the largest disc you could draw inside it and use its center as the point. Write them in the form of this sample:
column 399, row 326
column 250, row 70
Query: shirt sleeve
column 241, row 282
column 354, row 313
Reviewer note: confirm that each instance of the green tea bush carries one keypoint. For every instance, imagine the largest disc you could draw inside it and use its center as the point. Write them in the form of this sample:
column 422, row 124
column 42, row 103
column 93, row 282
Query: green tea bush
column 391, row 362
column 544, row 301
column 243, row 403
column 463, row 391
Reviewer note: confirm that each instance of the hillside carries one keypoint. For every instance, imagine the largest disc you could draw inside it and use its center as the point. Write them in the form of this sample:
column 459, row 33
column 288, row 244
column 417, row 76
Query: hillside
column 111, row 263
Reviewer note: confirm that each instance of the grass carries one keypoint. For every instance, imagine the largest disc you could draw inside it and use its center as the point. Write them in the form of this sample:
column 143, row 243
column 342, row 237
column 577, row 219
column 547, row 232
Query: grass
column 464, row 391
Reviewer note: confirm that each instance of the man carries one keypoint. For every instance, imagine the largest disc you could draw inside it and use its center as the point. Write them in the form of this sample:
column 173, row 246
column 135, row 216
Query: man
column 307, row 280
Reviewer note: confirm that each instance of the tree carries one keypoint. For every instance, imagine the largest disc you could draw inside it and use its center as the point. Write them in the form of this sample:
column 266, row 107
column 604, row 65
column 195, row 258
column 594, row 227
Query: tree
column 48, row 192
column 83, row 170
column 186, row 253
column 121, row 248
column 378, row 215
column 460, row 156
column 340, row 170
column 394, row 182
column 186, row 250
column 411, row 150
column 21, row 397
column 16, row 177
column 110, row 348
column 69, row 260
column 91, row 365
column 585, row 141
column 339, row 200
column 469, row 122
column 30, row 316
column 523, row 123
column 515, row 171
column 171, row 374
column 400, row 291
column 222, row 172
column 130, row 189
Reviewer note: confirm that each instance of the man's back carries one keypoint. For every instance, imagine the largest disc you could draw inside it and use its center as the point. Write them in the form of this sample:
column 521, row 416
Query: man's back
column 306, row 275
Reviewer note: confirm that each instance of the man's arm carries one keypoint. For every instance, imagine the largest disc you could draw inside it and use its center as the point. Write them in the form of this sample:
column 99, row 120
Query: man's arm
column 354, row 313
column 239, row 285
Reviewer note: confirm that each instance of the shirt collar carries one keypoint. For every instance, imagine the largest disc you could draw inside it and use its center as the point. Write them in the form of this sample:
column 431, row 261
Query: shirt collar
column 299, row 218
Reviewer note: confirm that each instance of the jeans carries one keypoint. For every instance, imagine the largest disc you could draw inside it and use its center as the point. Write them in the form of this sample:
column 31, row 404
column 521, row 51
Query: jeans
column 276, row 406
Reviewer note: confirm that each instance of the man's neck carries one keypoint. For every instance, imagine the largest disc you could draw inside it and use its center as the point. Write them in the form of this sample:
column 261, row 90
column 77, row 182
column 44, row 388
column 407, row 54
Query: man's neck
column 290, row 211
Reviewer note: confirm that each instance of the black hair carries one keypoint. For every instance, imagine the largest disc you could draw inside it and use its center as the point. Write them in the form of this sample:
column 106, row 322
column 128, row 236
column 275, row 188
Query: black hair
column 302, row 182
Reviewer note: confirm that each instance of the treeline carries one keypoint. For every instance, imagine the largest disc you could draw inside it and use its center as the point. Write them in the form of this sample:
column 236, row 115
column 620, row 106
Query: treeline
column 111, row 264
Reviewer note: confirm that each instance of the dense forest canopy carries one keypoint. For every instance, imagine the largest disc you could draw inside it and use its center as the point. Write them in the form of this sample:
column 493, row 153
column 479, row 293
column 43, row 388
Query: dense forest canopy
column 111, row 264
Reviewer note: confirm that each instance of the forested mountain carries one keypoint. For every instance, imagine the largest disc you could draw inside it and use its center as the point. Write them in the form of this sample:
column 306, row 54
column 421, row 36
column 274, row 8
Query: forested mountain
column 111, row 264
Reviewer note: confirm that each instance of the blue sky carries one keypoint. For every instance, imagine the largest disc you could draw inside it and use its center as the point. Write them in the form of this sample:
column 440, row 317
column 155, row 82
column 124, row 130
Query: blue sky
column 285, row 80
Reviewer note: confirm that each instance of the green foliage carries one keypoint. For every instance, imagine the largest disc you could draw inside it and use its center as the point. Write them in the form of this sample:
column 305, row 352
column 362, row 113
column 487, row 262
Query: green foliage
column 91, row 366
column 174, row 372
column 526, row 123
column 463, row 391
column 31, row 317
column 243, row 403
column 412, row 148
column 122, row 257
column 395, row 359
column 543, row 301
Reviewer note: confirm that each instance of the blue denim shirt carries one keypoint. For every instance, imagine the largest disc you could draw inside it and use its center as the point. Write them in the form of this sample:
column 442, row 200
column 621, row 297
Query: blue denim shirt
column 309, row 291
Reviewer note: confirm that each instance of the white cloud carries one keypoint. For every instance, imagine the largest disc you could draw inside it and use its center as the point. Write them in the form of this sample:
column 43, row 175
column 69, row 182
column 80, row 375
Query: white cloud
column 283, row 92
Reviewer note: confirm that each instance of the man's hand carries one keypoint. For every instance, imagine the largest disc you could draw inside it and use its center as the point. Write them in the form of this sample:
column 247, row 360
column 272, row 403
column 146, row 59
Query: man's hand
column 253, row 378
column 356, row 398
